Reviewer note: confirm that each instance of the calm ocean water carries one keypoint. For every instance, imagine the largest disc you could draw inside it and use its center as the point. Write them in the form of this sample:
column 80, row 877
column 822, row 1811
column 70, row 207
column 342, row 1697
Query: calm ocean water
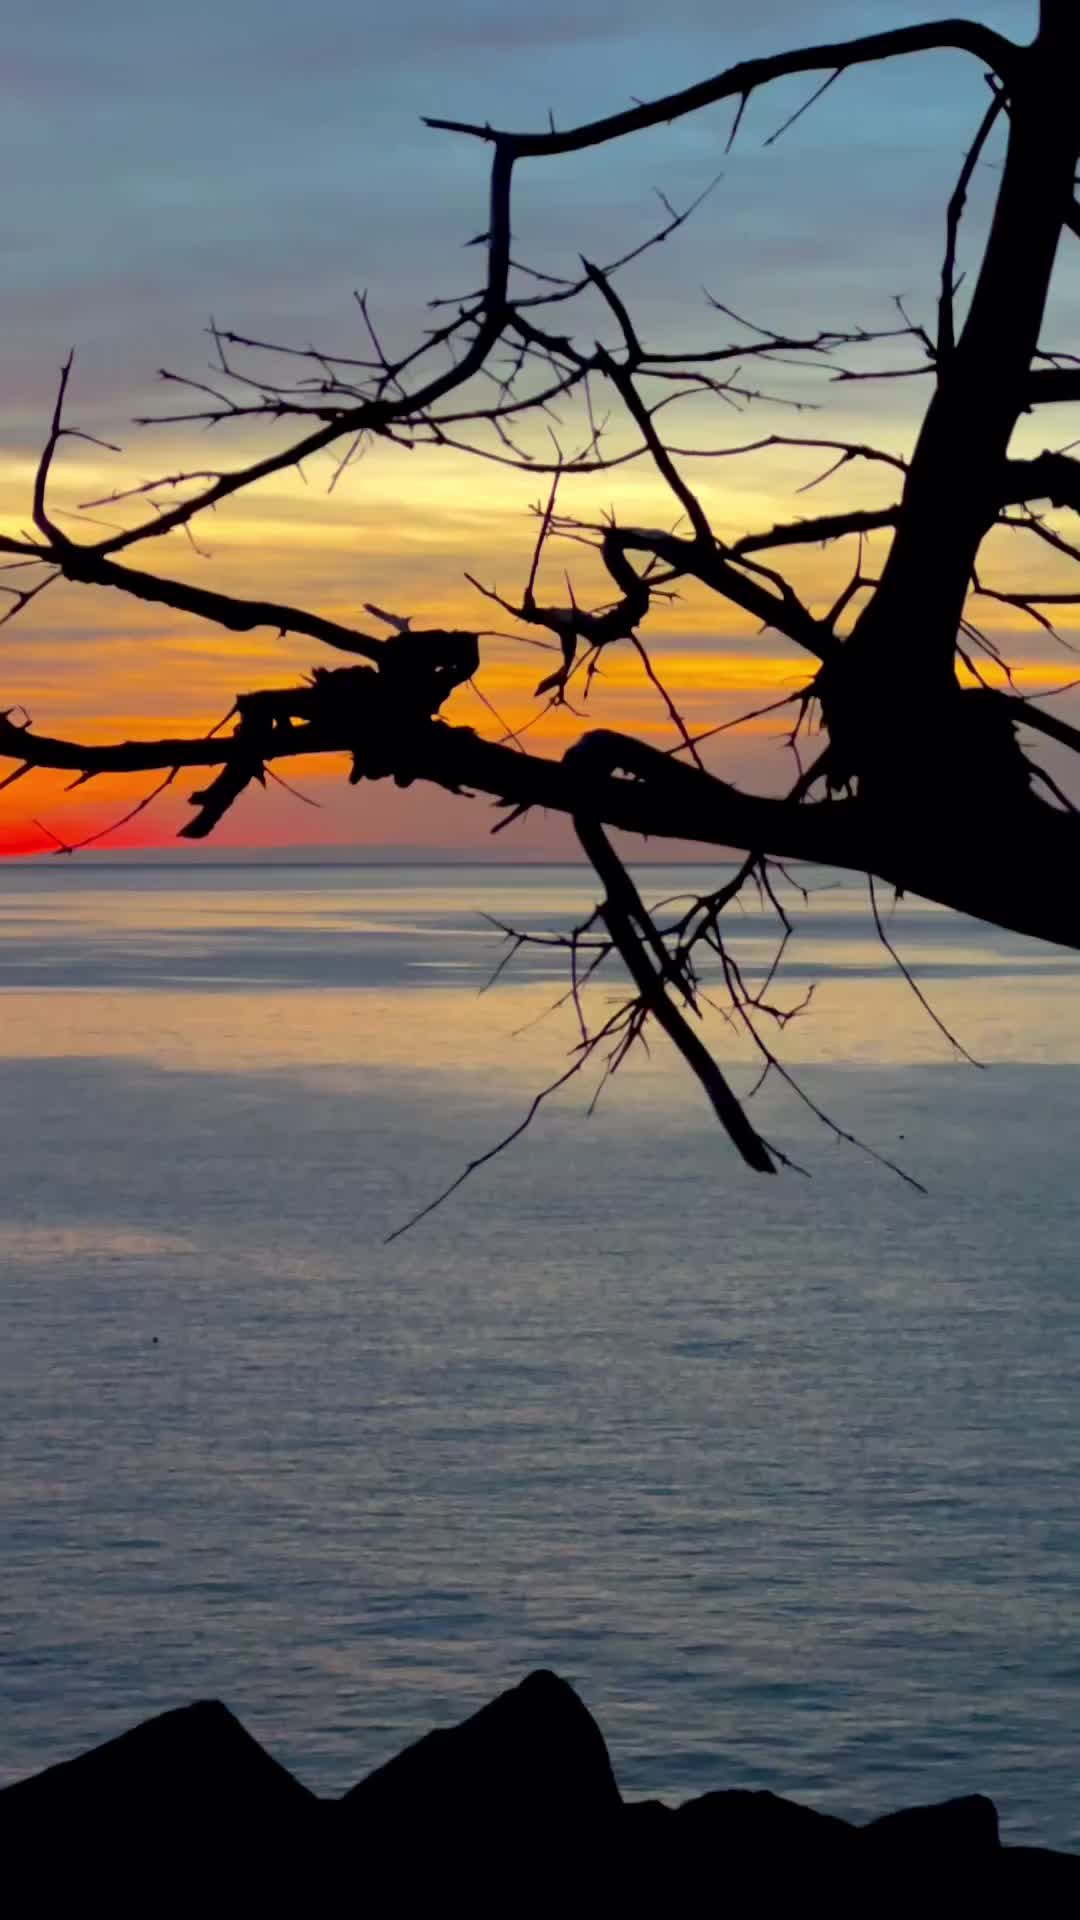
column 783, row 1475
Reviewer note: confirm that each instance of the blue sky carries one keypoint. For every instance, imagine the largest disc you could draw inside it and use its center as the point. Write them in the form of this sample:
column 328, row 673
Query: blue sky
column 259, row 158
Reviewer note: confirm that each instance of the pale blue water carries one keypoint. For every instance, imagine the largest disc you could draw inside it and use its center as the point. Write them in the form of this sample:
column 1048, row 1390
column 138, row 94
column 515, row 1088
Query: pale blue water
column 783, row 1475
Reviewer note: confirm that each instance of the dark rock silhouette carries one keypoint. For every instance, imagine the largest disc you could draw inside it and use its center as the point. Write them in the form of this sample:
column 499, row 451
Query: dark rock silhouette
column 968, row 1825
column 184, row 1801
column 517, row 1803
column 755, row 1842
column 955, row 1838
column 534, row 1756
column 196, row 1766
column 750, row 1821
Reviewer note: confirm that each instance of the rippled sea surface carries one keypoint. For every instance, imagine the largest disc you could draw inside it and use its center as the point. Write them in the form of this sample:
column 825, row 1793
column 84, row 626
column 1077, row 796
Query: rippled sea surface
column 782, row 1474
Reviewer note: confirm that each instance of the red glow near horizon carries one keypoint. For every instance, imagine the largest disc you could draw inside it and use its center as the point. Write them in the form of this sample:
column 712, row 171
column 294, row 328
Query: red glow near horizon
column 17, row 840
column 21, row 839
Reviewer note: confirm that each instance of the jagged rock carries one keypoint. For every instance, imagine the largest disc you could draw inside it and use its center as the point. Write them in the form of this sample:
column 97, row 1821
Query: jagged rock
column 738, row 1820
column 510, row 1811
column 751, row 1843
column 967, row 1826
column 1038, row 1881
column 184, row 1790
column 533, row 1757
column 494, row 1814
column 949, row 1850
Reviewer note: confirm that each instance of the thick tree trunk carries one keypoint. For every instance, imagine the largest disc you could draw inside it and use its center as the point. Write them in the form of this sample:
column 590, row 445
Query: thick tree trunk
column 890, row 702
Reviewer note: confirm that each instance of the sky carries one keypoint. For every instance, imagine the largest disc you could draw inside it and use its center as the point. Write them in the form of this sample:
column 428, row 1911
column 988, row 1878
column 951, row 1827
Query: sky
column 257, row 161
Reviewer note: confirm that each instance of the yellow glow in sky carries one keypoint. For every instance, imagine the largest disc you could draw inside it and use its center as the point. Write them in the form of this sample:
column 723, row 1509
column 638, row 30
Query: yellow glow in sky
column 401, row 530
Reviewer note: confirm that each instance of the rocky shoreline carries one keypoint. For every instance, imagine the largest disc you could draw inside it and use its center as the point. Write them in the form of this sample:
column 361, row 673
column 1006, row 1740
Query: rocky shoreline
column 515, row 1806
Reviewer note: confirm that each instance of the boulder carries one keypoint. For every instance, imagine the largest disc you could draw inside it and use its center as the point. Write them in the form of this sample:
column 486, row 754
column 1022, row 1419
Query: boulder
column 752, row 1846
column 520, row 1794
column 965, row 1829
column 516, row 1809
column 534, row 1757
column 184, row 1790
column 739, row 1821
column 1036, row 1880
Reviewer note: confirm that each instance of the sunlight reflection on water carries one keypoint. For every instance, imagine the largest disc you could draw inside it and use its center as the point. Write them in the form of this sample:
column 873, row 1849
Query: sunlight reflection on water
column 781, row 1473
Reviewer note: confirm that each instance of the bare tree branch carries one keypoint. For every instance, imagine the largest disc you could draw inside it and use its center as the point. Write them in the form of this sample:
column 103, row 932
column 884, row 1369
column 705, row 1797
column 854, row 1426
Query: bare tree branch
column 740, row 81
column 906, row 772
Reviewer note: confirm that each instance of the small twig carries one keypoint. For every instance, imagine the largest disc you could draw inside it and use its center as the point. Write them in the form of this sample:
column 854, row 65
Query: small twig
column 946, row 340
column 280, row 781
column 913, row 983
column 492, row 1153
column 103, row 833
column 805, row 108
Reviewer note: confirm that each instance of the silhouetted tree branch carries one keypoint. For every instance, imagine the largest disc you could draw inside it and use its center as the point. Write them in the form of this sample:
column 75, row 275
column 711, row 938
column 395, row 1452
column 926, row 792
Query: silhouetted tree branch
column 917, row 778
